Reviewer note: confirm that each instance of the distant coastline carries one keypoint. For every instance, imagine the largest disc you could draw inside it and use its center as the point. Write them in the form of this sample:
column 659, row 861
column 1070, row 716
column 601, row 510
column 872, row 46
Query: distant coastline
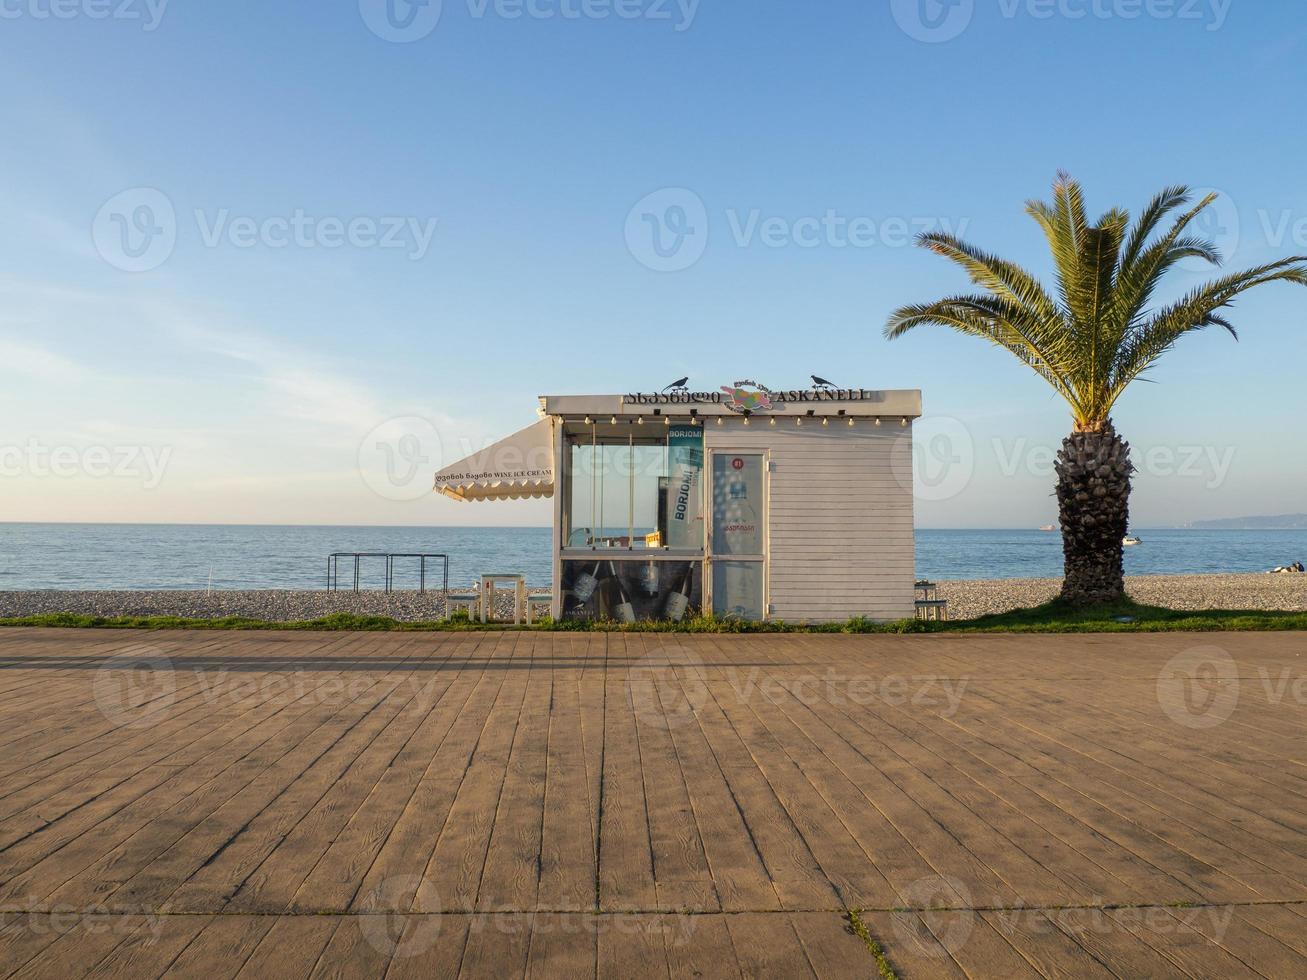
column 1282, row 522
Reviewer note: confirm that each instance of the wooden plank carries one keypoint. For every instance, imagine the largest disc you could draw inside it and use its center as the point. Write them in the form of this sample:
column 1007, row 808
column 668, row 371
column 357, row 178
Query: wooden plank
column 910, row 947
column 832, row 948
column 732, row 847
column 497, row 946
column 682, row 878
column 768, row 945
column 567, row 844
column 564, row 946
column 151, row 949
column 632, row 946
column 125, row 841
column 430, row 948
column 219, row 952
column 335, row 881
column 291, row 948
column 74, row 950
column 511, row 877
column 453, row 873
column 395, row 876
column 626, row 879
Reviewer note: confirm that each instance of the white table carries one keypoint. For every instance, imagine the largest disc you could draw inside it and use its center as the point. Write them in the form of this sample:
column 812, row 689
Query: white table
column 490, row 585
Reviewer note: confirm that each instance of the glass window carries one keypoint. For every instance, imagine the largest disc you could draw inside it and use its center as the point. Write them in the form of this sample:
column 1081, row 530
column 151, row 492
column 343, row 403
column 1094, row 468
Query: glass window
column 737, row 589
column 633, row 487
column 738, row 482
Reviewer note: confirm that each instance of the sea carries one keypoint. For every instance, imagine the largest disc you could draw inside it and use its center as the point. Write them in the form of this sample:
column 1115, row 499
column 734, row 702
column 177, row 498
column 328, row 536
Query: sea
column 190, row 556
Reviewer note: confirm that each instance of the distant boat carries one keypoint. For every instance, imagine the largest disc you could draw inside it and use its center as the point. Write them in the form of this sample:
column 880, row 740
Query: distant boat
column 1130, row 541
column 1048, row 527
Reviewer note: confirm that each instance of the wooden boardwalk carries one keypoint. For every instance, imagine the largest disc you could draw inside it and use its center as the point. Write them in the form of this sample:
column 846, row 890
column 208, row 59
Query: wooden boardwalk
column 496, row 804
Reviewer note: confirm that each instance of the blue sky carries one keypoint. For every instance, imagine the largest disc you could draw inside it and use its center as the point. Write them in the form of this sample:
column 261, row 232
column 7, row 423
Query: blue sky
column 498, row 158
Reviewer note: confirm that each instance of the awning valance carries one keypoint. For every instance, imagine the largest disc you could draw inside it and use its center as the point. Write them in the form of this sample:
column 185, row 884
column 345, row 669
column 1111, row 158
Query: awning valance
column 512, row 469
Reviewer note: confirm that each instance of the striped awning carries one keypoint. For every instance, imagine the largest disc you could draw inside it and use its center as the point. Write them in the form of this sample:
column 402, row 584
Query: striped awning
column 515, row 468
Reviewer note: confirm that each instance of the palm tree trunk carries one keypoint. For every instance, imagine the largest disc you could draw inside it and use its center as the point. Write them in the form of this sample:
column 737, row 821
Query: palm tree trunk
column 1093, row 496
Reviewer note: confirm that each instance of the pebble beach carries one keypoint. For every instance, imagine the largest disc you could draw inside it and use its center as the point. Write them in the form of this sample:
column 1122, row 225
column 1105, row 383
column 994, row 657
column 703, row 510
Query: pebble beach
column 967, row 599
column 272, row 605
column 1259, row 591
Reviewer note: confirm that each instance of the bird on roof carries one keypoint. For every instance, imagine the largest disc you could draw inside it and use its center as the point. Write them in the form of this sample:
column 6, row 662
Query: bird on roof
column 678, row 385
column 819, row 382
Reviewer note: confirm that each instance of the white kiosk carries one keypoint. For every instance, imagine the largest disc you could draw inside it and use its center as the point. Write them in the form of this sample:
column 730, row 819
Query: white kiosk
column 747, row 501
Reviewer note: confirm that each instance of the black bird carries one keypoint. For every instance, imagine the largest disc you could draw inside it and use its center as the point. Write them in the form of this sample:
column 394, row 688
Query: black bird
column 678, row 385
column 821, row 382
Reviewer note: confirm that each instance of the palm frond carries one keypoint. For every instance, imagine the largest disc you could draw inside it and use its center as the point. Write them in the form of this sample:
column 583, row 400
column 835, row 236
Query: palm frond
column 1137, row 279
column 990, row 318
column 1195, row 311
column 1000, row 277
column 1166, row 201
column 1095, row 334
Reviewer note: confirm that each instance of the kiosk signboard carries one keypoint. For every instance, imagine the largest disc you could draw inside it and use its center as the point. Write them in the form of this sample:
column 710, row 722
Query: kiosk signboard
column 685, row 488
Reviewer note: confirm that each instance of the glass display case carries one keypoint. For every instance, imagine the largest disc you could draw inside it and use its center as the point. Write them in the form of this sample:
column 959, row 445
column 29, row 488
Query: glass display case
column 632, row 523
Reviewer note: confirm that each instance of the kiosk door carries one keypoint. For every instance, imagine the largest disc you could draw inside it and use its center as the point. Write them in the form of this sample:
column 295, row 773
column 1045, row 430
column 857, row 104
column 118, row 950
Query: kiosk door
column 737, row 537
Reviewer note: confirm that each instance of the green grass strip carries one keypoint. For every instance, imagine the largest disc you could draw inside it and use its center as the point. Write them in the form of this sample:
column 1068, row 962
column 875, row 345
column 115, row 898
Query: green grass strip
column 1054, row 617
column 859, row 929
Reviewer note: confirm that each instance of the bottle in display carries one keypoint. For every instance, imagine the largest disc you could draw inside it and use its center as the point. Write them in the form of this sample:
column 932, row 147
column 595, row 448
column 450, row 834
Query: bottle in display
column 586, row 583
column 649, row 578
column 624, row 612
column 678, row 602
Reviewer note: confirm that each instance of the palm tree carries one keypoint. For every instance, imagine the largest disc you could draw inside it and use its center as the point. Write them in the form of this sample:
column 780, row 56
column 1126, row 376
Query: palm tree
column 1100, row 332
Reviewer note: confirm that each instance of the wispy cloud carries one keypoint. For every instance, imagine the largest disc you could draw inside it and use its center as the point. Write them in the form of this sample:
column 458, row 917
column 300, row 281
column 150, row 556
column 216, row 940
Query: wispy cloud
column 39, row 364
